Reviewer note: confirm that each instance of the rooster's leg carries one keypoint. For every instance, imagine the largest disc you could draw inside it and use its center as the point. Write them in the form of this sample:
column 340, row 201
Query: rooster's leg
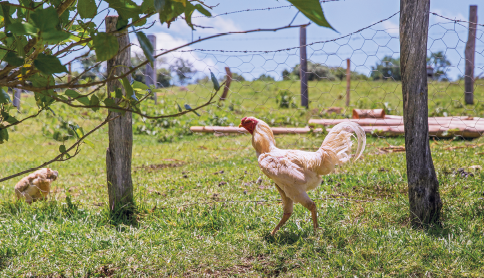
column 311, row 206
column 288, row 208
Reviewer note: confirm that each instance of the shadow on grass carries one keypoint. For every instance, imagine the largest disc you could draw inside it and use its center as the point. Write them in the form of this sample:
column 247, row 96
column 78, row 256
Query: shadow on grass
column 285, row 237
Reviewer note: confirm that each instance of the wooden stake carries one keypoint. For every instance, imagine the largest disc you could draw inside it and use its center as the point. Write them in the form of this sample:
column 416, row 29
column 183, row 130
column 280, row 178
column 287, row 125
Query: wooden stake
column 348, row 82
column 227, row 84
column 16, row 98
column 69, row 74
column 150, row 72
column 119, row 153
column 470, row 56
column 303, row 67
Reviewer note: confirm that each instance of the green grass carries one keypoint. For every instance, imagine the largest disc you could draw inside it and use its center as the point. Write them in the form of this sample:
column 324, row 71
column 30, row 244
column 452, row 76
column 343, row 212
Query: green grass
column 194, row 220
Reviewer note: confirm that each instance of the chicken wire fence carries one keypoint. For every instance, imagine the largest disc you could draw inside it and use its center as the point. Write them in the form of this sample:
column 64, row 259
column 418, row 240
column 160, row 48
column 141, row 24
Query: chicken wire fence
column 264, row 84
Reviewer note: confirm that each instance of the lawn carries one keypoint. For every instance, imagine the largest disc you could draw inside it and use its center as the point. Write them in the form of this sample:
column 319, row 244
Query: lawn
column 205, row 208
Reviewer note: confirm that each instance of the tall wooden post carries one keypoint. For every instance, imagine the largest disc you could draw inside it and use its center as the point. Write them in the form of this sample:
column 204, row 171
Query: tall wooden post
column 423, row 186
column 119, row 153
column 227, row 84
column 470, row 56
column 149, row 71
column 69, row 74
column 16, row 98
column 348, row 82
column 303, row 67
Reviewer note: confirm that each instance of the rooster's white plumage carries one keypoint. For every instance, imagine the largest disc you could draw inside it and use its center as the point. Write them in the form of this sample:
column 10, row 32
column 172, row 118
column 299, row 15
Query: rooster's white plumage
column 296, row 172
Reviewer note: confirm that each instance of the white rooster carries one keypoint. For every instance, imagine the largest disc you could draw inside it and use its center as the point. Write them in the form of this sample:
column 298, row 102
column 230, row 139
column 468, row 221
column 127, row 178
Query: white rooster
column 296, row 172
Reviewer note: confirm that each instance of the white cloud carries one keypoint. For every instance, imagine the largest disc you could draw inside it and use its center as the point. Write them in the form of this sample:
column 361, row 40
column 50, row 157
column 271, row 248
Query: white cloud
column 166, row 41
column 219, row 25
column 390, row 27
column 438, row 19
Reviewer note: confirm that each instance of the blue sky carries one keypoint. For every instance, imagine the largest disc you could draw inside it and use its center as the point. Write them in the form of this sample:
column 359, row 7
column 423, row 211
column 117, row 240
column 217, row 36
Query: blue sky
column 364, row 49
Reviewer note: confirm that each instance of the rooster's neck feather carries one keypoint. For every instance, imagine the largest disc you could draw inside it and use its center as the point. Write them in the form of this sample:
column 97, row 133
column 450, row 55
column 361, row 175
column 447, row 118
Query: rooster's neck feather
column 263, row 139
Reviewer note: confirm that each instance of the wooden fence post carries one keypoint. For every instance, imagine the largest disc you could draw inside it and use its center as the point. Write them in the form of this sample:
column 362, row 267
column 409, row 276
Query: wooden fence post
column 150, row 72
column 303, row 67
column 69, row 74
column 423, row 186
column 119, row 153
column 227, row 83
column 470, row 53
column 348, row 82
column 16, row 98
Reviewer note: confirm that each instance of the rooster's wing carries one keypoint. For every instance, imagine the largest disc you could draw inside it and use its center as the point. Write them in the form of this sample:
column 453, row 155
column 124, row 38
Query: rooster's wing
column 286, row 173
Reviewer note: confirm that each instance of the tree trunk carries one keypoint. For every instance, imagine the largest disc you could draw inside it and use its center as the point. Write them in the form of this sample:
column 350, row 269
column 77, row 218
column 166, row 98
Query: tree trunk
column 423, row 186
column 150, row 72
column 119, row 153
column 470, row 54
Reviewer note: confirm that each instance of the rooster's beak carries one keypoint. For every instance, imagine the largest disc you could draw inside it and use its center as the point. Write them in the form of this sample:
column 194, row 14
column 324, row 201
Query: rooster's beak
column 240, row 125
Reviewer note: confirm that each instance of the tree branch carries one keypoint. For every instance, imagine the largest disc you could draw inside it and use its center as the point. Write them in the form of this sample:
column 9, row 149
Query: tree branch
column 31, row 116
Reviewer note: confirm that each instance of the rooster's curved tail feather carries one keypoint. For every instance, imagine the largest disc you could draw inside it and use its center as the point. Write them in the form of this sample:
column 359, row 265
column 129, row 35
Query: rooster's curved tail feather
column 339, row 141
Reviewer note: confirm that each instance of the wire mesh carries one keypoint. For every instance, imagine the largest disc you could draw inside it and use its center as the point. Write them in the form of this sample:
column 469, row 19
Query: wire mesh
column 265, row 84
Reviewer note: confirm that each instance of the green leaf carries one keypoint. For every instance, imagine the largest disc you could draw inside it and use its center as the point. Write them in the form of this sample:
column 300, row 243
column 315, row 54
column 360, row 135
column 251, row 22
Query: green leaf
column 75, row 95
column 109, row 102
column 118, row 93
column 139, row 85
column 62, row 149
column 106, row 46
column 94, row 101
column 54, row 36
column 216, row 85
column 22, row 28
column 312, row 9
column 179, row 108
column 125, row 8
column 188, row 14
column 202, row 10
column 84, row 100
column 3, row 135
column 147, row 47
column 89, row 143
column 4, row 97
column 87, row 8
column 45, row 19
column 71, row 93
column 6, row 14
column 140, row 23
column 159, row 5
column 147, row 6
column 127, row 87
column 49, row 64
column 8, row 118
column 13, row 59
column 121, row 23
column 79, row 132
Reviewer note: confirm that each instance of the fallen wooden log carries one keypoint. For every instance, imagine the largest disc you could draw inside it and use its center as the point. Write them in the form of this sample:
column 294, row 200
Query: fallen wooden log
column 434, row 131
column 383, row 131
column 443, row 122
column 368, row 113
column 240, row 130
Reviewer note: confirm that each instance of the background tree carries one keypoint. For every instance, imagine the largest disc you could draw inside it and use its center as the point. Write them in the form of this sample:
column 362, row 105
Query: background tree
column 184, row 70
column 90, row 66
column 163, row 78
column 265, row 77
column 387, row 69
column 439, row 62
